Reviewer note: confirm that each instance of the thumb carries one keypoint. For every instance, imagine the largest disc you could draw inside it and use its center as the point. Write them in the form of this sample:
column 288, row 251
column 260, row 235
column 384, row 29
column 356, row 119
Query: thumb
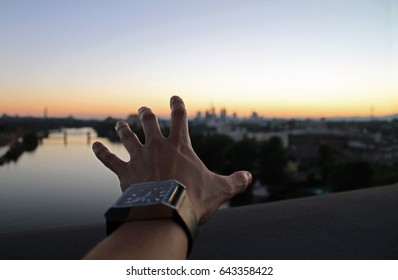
column 239, row 180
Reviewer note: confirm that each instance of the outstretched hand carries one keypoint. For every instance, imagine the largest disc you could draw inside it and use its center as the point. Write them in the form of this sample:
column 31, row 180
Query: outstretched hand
column 163, row 158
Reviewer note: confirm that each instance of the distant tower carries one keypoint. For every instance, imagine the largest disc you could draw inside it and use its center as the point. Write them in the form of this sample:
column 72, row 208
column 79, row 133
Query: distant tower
column 223, row 115
column 45, row 113
column 372, row 112
column 213, row 111
column 254, row 116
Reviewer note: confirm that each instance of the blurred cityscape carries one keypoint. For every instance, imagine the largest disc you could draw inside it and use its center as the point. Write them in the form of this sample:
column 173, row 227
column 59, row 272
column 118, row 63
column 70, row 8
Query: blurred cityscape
column 287, row 157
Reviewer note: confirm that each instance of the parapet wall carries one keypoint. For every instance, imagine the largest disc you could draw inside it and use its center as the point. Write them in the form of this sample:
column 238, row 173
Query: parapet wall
column 359, row 224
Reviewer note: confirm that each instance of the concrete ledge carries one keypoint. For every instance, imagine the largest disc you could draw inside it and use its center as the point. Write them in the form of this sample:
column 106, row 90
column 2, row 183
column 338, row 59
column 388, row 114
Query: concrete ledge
column 351, row 225
column 359, row 224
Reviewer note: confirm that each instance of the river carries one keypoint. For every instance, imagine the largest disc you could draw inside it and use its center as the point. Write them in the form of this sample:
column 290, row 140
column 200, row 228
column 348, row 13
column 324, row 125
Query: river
column 60, row 184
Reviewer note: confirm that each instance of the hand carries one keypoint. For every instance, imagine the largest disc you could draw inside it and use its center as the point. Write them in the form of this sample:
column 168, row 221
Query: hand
column 163, row 158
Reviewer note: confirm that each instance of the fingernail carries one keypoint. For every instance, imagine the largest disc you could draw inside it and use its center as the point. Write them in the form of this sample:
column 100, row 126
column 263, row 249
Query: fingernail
column 119, row 124
column 142, row 109
column 175, row 99
column 249, row 177
column 96, row 146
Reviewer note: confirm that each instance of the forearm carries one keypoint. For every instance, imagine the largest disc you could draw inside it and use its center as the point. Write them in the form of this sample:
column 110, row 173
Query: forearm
column 153, row 239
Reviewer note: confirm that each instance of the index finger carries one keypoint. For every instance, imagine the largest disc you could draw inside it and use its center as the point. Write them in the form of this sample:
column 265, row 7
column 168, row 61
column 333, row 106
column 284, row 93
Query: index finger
column 179, row 119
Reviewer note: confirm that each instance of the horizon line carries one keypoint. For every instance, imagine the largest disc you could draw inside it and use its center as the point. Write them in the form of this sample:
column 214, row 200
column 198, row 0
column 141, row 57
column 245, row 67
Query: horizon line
column 102, row 117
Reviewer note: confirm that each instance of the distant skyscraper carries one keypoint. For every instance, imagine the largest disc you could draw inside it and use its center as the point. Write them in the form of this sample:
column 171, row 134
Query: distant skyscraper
column 199, row 116
column 223, row 115
column 254, row 116
column 372, row 112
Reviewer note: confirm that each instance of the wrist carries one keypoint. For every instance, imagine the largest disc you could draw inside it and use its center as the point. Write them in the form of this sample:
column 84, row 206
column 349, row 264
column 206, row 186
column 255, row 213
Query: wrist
column 154, row 201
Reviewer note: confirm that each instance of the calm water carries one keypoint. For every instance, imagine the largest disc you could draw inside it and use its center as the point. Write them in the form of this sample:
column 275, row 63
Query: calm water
column 57, row 185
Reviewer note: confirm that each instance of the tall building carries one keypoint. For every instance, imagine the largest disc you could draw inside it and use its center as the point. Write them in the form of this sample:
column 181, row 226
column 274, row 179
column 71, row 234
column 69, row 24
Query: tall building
column 223, row 115
column 45, row 113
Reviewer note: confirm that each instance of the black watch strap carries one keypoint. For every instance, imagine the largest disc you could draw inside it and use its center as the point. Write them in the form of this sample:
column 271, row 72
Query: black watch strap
column 178, row 207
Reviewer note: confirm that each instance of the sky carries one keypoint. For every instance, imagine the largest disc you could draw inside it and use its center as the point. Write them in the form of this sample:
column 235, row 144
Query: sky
column 279, row 58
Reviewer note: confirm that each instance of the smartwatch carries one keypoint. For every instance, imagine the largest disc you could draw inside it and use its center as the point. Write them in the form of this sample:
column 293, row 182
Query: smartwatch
column 154, row 200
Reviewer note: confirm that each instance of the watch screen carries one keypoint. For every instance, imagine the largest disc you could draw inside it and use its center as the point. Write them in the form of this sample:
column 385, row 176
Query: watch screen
column 146, row 193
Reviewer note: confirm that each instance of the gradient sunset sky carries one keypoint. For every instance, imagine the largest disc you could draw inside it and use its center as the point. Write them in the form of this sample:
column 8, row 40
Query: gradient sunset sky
column 280, row 58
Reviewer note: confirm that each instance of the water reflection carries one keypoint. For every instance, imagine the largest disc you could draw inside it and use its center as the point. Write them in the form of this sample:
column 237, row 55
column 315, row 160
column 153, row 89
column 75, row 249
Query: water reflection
column 57, row 184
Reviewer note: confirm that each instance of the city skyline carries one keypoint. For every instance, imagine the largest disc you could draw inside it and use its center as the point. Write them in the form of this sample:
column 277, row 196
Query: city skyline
column 277, row 58
column 219, row 113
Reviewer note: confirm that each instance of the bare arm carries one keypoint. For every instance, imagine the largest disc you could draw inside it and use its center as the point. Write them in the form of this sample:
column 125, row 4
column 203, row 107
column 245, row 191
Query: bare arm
column 163, row 158
column 155, row 239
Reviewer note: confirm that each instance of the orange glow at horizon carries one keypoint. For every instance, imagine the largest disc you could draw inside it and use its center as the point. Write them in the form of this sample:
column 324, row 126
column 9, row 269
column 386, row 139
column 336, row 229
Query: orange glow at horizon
column 121, row 105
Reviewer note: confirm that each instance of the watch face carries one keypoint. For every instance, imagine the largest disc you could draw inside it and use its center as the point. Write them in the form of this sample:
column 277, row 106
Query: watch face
column 147, row 193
